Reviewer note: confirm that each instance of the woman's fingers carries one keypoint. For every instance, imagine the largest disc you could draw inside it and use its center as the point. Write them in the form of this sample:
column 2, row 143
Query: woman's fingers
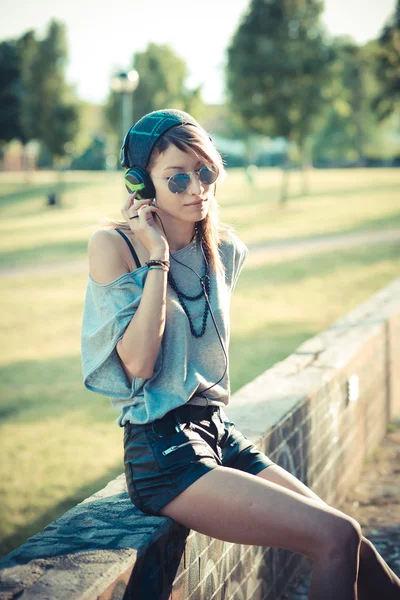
column 144, row 216
column 133, row 202
column 147, row 209
column 138, row 203
column 129, row 201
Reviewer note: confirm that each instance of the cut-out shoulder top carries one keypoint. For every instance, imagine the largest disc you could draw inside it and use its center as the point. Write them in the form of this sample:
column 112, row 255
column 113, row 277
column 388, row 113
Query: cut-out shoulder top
column 185, row 365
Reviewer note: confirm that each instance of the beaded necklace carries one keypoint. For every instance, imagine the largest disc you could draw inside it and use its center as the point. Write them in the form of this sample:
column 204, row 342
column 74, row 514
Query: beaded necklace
column 205, row 284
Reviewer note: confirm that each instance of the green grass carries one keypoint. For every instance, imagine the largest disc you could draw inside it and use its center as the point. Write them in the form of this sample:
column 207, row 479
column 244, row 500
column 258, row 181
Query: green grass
column 33, row 233
column 278, row 306
column 60, row 440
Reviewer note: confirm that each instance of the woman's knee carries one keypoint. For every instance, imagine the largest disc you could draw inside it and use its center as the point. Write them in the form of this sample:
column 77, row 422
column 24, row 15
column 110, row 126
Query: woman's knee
column 367, row 550
column 343, row 537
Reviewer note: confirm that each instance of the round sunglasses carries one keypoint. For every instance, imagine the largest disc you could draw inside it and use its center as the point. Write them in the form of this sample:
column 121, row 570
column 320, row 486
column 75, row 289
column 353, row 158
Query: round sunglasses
column 179, row 182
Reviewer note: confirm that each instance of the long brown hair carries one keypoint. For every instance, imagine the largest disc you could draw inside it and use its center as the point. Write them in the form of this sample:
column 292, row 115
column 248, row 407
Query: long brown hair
column 193, row 140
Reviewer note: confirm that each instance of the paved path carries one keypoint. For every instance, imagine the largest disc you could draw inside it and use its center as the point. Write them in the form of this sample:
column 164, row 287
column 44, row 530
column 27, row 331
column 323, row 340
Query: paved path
column 258, row 252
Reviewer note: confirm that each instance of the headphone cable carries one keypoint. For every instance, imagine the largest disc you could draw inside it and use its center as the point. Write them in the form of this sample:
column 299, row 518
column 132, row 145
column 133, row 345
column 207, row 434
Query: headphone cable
column 202, row 282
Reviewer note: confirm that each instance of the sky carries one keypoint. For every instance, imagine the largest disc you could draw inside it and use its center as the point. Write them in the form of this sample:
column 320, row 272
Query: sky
column 103, row 37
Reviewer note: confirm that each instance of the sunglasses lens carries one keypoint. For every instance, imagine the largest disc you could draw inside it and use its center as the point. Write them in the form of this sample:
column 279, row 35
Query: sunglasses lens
column 208, row 175
column 179, row 183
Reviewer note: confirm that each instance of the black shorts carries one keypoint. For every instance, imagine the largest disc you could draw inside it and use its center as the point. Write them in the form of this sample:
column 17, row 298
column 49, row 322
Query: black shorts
column 166, row 456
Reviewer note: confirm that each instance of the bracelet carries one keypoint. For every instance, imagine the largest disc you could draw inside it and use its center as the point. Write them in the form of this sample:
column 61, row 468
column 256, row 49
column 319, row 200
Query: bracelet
column 158, row 262
column 159, row 269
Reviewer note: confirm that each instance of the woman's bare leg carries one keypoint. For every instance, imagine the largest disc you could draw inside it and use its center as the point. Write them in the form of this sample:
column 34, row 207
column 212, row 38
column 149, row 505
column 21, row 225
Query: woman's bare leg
column 375, row 577
column 234, row 506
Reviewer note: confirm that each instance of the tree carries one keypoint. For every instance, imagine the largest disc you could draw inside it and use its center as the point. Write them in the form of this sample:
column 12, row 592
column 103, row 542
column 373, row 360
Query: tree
column 10, row 92
column 162, row 80
column 35, row 101
column 15, row 111
column 94, row 156
column 27, row 46
column 347, row 122
column 162, row 84
column 387, row 101
column 278, row 62
column 51, row 100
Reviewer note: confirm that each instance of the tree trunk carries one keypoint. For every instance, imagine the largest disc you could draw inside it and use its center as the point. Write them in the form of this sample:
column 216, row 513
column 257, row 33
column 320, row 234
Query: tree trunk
column 357, row 91
column 26, row 166
column 305, row 167
column 284, row 182
column 55, row 197
column 248, row 166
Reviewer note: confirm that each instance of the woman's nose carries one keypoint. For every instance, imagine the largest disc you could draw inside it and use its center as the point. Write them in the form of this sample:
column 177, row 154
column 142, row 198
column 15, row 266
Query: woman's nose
column 196, row 186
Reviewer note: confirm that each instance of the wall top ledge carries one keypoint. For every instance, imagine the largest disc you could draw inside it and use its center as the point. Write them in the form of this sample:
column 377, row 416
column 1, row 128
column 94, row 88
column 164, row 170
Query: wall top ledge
column 271, row 396
column 84, row 551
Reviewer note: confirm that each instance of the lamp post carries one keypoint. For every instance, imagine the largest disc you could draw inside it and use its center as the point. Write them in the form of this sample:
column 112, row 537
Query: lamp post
column 125, row 84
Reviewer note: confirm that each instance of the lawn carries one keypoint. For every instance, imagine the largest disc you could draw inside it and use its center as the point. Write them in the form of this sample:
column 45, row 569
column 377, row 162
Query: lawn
column 60, row 440
column 346, row 200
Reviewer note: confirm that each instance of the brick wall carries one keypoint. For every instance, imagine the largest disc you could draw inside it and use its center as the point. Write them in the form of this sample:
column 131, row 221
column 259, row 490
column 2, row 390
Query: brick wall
column 299, row 412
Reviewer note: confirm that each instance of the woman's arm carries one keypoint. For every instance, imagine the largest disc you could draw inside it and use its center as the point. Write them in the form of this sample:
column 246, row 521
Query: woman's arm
column 139, row 346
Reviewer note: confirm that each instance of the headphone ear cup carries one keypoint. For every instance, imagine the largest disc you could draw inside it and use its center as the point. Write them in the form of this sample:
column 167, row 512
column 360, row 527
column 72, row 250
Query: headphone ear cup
column 138, row 180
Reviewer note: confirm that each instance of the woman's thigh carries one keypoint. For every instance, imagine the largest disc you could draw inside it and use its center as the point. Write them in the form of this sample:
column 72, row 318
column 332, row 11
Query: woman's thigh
column 280, row 476
column 238, row 507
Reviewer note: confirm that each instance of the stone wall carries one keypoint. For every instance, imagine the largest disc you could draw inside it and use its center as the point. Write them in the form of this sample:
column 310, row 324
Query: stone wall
column 319, row 414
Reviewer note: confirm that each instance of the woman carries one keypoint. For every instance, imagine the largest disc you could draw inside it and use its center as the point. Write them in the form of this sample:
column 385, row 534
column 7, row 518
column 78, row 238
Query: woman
column 154, row 339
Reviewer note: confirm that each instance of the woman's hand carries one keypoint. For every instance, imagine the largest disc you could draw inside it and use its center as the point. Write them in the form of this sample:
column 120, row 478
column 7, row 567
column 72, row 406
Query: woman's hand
column 144, row 224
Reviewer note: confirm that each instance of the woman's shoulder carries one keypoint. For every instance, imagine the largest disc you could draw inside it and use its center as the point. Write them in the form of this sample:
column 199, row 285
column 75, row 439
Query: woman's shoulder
column 231, row 243
column 109, row 256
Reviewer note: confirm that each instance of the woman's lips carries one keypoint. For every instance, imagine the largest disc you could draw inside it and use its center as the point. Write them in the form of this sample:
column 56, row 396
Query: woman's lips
column 197, row 203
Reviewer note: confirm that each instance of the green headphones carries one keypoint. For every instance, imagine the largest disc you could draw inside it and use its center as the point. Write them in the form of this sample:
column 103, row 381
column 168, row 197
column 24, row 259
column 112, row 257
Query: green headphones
column 138, row 145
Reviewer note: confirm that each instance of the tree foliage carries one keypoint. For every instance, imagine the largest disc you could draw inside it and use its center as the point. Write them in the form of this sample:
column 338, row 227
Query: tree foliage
column 35, row 101
column 347, row 121
column 387, row 68
column 277, row 64
column 27, row 46
column 10, row 92
column 94, row 156
column 56, row 113
column 162, row 84
column 162, row 79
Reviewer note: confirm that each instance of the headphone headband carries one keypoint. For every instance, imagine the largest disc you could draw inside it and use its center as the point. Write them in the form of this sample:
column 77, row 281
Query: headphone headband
column 141, row 137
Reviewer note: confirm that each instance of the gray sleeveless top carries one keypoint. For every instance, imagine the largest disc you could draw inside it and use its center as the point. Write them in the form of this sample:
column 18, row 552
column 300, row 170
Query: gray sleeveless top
column 185, row 365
